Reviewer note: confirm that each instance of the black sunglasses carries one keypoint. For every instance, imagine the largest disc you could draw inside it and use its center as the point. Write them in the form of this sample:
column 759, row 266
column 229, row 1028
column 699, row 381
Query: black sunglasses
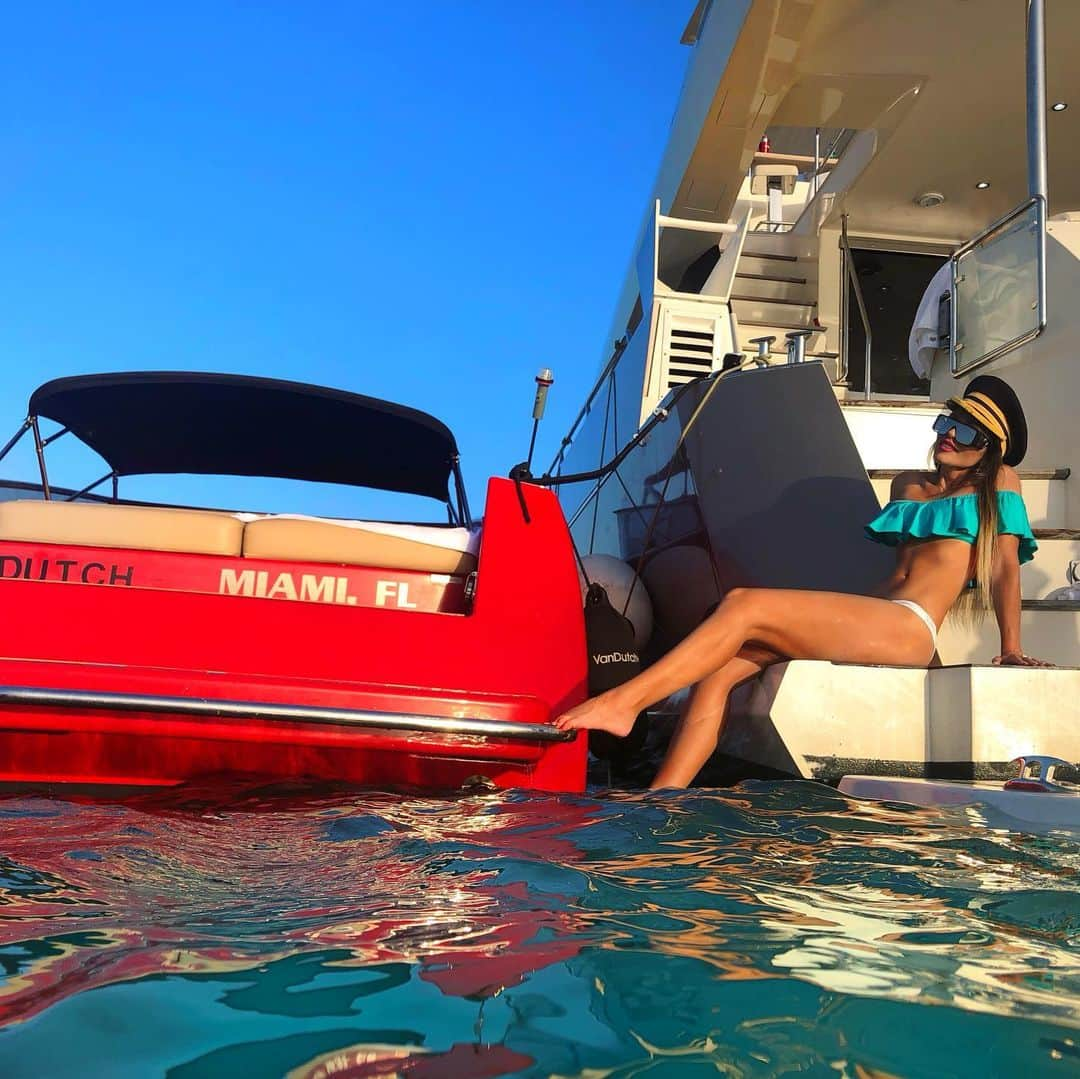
column 964, row 434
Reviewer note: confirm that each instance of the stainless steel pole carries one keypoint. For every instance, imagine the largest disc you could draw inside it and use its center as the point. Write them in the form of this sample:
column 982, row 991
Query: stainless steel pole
column 1038, row 187
column 1036, row 98
column 817, row 160
column 39, row 446
column 853, row 277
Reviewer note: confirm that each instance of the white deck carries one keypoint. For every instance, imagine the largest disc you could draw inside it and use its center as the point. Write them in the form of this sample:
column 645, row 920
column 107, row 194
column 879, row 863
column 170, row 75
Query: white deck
column 819, row 720
column 1059, row 809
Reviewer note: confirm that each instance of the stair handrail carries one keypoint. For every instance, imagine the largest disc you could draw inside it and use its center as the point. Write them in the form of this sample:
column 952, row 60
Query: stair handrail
column 833, row 146
column 853, row 277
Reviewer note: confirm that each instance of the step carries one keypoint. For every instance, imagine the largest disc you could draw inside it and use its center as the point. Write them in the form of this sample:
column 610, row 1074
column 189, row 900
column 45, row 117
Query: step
column 801, row 301
column 740, row 276
column 921, row 405
column 891, row 435
column 757, row 287
column 769, row 266
column 750, row 329
column 775, row 327
column 1045, row 573
column 1048, row 632
column 821, row 720
column 768, row 256
column 782, row 314
column 779, row 352
column 1024, row 473
column 1044, row 493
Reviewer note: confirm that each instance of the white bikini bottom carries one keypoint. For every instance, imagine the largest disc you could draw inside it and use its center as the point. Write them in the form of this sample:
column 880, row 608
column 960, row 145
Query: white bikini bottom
column 927, row 621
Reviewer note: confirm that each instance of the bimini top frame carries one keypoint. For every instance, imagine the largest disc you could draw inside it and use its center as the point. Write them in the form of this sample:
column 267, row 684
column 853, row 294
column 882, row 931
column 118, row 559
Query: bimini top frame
column 169, row 422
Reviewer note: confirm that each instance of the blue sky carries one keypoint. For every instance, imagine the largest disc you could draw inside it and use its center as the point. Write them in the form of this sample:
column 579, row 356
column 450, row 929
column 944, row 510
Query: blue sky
column 424, row 202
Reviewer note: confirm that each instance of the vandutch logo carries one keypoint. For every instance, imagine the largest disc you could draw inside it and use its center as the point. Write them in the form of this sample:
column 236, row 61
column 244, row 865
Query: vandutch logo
column 600, row 658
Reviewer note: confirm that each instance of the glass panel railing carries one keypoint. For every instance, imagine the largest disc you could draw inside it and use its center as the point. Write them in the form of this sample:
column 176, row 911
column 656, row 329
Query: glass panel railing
column 999, row 295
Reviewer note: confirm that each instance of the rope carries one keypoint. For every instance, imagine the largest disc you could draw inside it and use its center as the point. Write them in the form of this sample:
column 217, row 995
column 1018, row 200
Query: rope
column 520, row 473
column 581, row 563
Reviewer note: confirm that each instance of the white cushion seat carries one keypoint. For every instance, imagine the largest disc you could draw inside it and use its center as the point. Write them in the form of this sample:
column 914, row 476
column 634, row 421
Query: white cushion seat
column 424, row 548
column 103, row 524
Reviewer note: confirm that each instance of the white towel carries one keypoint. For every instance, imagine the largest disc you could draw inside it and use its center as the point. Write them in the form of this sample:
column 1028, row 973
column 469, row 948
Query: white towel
column 923, row 340
column 466, row 540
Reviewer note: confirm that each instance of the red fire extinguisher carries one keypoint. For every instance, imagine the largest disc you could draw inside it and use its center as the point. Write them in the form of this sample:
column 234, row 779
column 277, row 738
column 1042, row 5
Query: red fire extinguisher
column 763, row 147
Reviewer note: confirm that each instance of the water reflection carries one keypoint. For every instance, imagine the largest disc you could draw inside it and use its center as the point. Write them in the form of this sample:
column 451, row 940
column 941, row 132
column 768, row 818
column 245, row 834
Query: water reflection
column 772, row 926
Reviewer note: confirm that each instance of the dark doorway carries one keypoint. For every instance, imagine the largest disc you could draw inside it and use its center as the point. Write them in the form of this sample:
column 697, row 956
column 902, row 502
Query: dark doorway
column 892, row 284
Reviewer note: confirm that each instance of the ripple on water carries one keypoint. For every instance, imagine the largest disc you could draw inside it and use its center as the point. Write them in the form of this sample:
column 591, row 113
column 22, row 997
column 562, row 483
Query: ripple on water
column 762, row 929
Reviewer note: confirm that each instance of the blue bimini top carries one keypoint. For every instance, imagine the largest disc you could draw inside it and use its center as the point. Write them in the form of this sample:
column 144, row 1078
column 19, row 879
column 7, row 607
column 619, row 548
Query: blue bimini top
column 956, row 517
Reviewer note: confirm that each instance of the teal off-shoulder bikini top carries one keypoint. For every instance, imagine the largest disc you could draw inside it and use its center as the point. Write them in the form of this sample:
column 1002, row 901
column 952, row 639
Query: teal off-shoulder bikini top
column 955, row 517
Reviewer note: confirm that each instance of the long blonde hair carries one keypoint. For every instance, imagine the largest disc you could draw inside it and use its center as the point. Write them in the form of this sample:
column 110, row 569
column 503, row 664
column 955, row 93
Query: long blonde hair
column 976, row 599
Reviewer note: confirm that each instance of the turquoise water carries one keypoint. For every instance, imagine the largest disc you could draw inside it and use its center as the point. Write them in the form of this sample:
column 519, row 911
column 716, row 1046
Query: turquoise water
column 769, row 929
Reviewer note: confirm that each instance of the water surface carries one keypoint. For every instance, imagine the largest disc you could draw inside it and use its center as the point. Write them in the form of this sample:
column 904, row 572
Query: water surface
column 769, row 929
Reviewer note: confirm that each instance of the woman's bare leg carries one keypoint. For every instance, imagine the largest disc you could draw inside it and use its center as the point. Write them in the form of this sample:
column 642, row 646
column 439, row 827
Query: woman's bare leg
column 793, row 623
column 703, row 717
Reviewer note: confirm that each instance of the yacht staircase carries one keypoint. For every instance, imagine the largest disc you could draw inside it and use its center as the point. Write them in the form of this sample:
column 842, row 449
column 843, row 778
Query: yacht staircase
column 775, row 293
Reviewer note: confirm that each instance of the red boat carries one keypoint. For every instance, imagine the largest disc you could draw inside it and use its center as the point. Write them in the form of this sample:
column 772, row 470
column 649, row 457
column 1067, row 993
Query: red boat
column 148, row 645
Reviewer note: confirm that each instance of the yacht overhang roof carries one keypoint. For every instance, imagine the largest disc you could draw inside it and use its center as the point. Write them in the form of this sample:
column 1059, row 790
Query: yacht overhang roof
column 941, row 82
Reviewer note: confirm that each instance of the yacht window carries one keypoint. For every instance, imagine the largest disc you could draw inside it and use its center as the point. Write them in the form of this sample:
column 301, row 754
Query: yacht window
column 892, row 284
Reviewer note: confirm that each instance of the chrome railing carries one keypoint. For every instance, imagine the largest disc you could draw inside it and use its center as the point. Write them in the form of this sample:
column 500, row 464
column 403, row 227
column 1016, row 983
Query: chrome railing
column 999, row 288
column 830, row 154
column 853, row 277
column 360, row 719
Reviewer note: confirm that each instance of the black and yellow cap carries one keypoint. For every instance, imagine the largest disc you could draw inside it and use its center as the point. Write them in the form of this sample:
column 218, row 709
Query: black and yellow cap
column 993, row 405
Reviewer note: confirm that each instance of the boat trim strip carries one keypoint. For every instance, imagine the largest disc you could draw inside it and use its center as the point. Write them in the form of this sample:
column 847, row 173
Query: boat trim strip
column 227, row 709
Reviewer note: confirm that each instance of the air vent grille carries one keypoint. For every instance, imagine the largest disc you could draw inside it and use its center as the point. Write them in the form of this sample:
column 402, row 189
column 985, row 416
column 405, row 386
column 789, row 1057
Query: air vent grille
column 690, row 350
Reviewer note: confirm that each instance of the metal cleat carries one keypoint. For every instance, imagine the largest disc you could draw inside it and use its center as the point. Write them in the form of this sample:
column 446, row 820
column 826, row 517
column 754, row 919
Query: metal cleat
column 1037, row 774
column 796, row 345
column 763, row 346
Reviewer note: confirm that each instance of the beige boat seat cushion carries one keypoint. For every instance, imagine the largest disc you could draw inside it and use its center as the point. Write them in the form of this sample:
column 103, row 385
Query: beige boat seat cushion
column 145, row 528
column 426, row 549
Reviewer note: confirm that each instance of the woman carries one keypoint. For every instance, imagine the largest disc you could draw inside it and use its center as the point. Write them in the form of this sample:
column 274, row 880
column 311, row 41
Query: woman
column 961, row 532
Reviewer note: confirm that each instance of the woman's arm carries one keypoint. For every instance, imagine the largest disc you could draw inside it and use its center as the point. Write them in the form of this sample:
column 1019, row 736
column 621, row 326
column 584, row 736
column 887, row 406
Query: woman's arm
column 1005, row 587
column 1005, row 590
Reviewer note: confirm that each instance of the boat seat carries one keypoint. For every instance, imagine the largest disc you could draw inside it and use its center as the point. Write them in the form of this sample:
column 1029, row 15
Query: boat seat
column 146, row 528
column 425, row 549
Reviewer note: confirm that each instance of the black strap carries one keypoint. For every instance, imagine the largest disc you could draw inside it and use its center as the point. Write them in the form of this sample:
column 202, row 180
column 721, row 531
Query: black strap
column 519, row 474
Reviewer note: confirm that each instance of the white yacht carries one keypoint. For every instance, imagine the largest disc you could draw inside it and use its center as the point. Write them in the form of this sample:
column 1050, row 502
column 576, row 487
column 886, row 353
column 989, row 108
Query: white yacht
column 861, row 205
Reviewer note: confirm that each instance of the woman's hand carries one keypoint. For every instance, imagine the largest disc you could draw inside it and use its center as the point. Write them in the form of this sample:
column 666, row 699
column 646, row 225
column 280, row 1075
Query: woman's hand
column 1019, row 659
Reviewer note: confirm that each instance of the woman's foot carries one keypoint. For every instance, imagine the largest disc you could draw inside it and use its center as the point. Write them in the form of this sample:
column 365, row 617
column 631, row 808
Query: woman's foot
column 603, row 713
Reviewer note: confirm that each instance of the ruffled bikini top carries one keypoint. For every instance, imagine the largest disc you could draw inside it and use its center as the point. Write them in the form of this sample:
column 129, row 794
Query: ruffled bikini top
column 955, row 517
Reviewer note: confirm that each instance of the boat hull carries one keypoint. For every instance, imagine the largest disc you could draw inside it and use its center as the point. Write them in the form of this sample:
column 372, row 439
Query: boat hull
column 132, row 685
